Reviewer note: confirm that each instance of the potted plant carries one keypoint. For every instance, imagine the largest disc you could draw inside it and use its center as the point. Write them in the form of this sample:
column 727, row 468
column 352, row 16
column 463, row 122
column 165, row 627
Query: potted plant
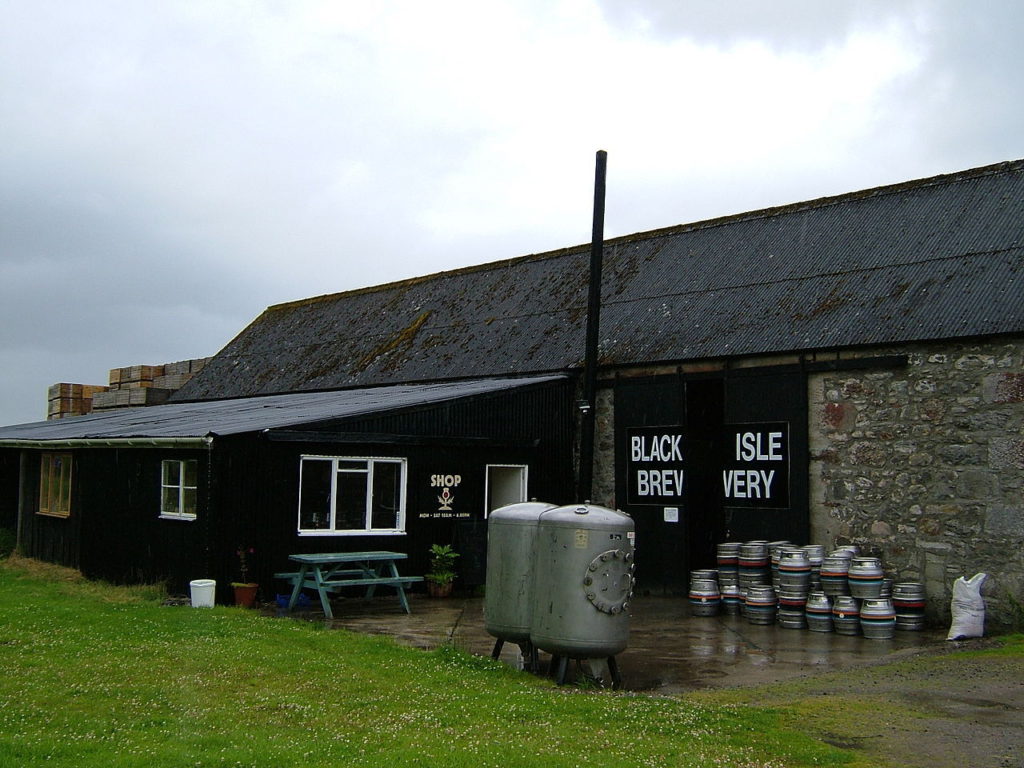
column 245, row 590
column 442, row 570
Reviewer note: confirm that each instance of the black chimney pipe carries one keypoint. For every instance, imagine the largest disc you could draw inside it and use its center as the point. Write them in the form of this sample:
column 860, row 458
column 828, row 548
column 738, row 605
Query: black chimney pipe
column 584, row 487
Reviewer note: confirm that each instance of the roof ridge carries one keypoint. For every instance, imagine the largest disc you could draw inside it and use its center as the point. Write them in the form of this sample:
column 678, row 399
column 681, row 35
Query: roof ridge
column 718, row 221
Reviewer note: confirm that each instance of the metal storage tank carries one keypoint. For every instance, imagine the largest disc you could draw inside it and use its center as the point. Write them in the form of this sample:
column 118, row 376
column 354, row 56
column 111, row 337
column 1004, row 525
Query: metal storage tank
column 511, row 548
column 583, row 582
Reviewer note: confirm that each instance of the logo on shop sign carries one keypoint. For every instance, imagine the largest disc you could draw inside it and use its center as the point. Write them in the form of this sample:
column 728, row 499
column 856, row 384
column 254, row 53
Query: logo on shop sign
column 446, row 483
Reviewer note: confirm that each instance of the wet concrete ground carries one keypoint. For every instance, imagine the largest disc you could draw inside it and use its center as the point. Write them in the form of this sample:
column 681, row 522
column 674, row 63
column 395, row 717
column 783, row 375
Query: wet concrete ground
column 669, row 651
column 964, row 714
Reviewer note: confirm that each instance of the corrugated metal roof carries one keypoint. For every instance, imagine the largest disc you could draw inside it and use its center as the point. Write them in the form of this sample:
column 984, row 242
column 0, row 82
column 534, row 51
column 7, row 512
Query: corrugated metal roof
column 931, row 259
column 197, row 420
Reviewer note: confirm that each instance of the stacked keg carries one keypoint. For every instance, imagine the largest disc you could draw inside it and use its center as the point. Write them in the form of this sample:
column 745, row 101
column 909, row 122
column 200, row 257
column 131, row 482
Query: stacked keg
column 816, row 554
column 753, row 564
column 834, row 569
column 846, row 615
column 908, row 602
column 774, row 554
column 705, row 594
column 818, row 612
column 865, row 577
column 728, row 556
column 877, row 618
column 867, row 583
column 794, row 581
column 732, row 601
column 761, row 604
column 801, row 587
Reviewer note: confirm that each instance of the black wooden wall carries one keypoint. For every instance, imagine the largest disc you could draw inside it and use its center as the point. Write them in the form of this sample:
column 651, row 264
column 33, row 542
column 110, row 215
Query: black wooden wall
column 531, row 426
column 248, row 491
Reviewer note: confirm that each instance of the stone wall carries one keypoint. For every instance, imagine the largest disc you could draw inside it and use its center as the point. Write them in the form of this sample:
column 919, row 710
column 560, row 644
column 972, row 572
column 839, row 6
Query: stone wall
column 603, row 492
column 924, row 467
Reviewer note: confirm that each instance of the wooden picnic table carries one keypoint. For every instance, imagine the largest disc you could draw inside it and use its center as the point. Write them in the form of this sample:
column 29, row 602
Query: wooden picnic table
column 328, row 572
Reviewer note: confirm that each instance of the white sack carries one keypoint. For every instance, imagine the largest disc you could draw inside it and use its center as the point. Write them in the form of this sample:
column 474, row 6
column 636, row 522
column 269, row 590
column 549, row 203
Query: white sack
column 968, row 608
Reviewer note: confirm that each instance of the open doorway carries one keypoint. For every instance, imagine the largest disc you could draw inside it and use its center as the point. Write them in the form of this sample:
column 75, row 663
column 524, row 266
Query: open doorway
column 705, row 412
column 506, row 484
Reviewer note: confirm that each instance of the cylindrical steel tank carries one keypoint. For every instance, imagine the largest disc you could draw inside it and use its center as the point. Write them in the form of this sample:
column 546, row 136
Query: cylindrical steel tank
column 583, row 582
column 511, row 552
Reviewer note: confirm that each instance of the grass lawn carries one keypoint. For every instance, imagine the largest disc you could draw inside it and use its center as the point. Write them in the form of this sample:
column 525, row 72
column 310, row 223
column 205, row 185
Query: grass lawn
column 95, row 675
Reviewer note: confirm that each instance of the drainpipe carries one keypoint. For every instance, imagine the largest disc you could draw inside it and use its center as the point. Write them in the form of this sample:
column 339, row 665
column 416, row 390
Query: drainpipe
column 587, row 407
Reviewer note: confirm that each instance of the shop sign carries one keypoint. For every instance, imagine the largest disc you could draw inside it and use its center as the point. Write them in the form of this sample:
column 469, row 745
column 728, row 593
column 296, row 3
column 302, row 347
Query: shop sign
column 443, row 488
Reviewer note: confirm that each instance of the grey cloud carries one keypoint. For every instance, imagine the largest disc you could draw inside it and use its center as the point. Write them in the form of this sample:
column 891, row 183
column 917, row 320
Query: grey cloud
column 169, row 170
column 795, row 24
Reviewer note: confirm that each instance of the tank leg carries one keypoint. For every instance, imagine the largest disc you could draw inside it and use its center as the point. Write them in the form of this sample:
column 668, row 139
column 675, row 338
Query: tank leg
column 499, row 643
column 552, row 665
column 559, row 666
column 613, row 670
column 531, row 660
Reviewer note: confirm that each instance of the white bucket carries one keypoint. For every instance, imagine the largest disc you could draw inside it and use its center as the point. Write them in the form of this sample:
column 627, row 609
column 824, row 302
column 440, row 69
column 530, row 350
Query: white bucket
column 202, row 592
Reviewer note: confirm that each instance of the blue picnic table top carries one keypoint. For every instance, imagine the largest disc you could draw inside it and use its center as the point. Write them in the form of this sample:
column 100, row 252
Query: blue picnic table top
column 326, row 558
column 323, row 572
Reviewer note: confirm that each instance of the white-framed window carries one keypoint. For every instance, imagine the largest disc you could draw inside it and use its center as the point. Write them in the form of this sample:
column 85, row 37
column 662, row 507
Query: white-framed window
column 178, row 483
column 351, row 495
column 506, row 484
column 55, row 484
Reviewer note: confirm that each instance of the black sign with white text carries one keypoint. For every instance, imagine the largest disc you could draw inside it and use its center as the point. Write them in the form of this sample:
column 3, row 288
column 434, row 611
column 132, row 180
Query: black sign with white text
column 655, row 465
column 755, row 472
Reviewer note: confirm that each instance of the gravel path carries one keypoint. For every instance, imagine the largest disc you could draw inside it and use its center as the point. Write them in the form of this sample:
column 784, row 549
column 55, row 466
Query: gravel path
column 932, row 709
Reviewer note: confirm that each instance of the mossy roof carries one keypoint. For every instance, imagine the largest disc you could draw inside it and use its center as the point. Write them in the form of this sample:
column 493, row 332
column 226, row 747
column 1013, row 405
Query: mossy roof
column 936, row 258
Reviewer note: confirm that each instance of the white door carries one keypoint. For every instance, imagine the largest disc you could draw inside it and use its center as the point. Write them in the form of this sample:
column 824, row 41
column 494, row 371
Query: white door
column 506, row 484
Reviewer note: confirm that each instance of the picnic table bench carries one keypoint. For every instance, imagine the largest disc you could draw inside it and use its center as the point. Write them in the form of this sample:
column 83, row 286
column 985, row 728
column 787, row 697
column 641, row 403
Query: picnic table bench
column 328, row 572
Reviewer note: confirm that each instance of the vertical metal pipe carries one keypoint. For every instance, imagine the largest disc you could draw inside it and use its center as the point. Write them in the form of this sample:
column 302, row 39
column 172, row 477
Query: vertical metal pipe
column 585, row 480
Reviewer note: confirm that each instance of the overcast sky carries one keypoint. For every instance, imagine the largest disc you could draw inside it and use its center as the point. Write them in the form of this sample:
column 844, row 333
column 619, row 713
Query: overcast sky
column 170, row 169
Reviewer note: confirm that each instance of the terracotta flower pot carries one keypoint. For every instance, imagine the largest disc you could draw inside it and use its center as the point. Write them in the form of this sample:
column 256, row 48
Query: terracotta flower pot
column 245, row 594
column 439, row 590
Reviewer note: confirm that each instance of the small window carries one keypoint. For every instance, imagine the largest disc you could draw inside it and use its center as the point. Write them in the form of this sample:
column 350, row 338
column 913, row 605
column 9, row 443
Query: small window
column 178, row 485
column 342, row 495
column 55, row 484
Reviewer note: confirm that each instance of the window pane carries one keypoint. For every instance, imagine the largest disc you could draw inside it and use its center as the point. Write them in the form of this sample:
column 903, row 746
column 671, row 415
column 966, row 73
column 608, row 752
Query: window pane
column 387, row 494
column 169, row 501
column 64, row 498
column 191, row 473
column 55, row 484
column 44, row 483
column 350, row 511
column 315, row 494
column 189, row 501
column 172, row 472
